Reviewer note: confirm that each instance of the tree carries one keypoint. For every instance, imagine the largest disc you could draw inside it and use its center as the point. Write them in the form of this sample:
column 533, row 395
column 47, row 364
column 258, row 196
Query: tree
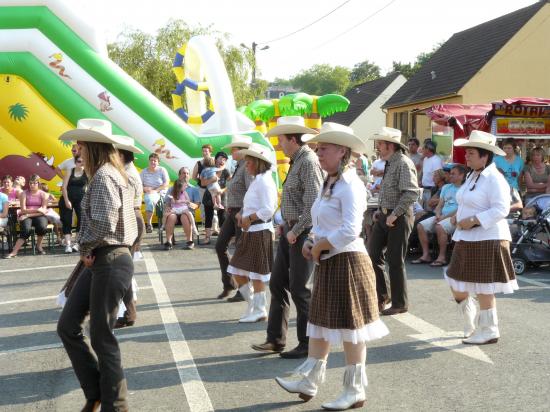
column 149, row 58
column 364, row 72
column 322, row 79
column 409, row 69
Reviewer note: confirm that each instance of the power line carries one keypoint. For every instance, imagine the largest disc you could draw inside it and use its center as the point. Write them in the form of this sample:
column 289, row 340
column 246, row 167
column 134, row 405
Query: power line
column 305, row 27
column 357, row 25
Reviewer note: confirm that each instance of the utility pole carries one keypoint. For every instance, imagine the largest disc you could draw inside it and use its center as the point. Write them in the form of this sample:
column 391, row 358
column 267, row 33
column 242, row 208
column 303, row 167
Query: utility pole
column 253, row 50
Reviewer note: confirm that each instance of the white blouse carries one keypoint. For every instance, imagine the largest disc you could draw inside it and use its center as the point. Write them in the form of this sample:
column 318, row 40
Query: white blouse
column 261, row 199
column 339, row 218
column 489, row 202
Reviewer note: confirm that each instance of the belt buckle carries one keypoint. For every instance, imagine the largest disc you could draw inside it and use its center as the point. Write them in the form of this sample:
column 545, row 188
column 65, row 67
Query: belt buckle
column 384, row 210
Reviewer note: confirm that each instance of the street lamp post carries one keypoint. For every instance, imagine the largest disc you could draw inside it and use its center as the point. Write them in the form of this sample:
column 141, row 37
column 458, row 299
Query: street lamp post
column 253, row 50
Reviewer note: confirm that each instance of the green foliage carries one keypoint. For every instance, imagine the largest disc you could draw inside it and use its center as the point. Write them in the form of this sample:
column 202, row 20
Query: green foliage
column 364, row 72
column 149, row 58
column 410, row 69
column 322, row 79
column 18, row 112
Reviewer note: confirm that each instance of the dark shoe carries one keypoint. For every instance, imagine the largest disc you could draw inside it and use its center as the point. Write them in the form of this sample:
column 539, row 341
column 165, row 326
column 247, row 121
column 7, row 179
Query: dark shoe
column 298, row 352
column 393, row 311
column 268, row 347
column 167, row 246
column 205, row 243
column 224, row 294
column 189, row 245
column 148, row 229
column 237, row 298
column 123, row 322
column 383, row 302
column 91, row 406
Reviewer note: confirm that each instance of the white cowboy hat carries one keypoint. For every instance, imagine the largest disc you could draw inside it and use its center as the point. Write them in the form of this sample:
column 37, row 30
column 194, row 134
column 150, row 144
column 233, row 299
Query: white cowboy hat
column 92, row 130
column 339, row 134
column 481, row 140
column 257, row 150
column 128, row 145
column 389, row 134
column 290, row 125
column 239, row 140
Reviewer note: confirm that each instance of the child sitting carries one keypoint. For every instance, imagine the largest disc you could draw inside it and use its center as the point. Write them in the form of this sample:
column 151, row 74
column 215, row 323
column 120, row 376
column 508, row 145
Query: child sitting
column 52, row 215
column 210, row 170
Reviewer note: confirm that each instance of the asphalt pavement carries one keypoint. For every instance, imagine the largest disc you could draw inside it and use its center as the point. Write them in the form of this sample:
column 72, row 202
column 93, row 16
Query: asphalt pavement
column 188, row 352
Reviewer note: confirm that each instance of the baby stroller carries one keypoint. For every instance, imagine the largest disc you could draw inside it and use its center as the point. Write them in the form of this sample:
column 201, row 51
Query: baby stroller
column 531, row 245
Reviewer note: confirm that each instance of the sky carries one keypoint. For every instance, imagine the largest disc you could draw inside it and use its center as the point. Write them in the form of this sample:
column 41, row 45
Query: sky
column 380, row 31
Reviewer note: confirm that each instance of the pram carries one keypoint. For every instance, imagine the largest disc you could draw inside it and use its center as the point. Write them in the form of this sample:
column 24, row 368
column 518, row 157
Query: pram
column 531, row 245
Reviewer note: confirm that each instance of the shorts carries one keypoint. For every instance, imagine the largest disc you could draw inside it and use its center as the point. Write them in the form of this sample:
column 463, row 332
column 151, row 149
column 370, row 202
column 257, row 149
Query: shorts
column 151, row 200
column 429, row 225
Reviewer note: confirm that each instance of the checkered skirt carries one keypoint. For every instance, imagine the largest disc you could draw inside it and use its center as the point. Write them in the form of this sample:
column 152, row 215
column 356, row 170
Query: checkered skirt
column 254, row 252
column 344, row 292
column 485, row 261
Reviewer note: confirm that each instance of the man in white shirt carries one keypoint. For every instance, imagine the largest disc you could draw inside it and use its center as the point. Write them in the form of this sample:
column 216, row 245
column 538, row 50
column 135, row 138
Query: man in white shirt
column 431, row 163
column 377, row 171
column 413, row 144
column 68, row 164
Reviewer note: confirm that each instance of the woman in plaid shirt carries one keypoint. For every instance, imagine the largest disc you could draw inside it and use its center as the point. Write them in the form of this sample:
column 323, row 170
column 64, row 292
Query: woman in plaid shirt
column 107, row 232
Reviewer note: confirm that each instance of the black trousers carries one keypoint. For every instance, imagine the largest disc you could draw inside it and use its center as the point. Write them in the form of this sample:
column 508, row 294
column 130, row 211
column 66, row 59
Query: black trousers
column 98, row 291
column 394, row 241
column 66, row 215
column 291, row 272
column 40, row 224
column 228, row 229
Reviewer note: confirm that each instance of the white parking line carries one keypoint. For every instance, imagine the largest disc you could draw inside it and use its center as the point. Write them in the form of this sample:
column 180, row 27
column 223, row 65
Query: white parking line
column 533, row 282
column 37, row 268
column 53, row 297
column 195, row 392
column 59, row 345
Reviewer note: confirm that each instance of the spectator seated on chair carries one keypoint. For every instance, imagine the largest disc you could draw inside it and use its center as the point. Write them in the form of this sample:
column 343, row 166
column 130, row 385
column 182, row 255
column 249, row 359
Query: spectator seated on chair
column 9, row 189
column 4, row 207
column 34, row 206
column 441, row 224
column 180, row 202
column 155, row 182
column 439, row 180
column 52, row 216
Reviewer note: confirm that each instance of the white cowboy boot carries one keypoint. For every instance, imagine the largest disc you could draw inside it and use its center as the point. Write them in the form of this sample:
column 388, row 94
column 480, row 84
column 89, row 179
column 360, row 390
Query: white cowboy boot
column 312, row 372
column 468, row 309
column 247, row 292
column 487, row 330
column 259, row 310
column 355, row 382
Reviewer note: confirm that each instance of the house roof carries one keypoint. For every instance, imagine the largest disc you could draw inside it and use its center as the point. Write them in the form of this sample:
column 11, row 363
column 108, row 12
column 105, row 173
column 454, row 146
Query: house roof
column 361, row 97
column 461, row 57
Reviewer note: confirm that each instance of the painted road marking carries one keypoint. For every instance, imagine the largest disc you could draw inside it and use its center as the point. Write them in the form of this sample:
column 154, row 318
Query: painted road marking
column 122, row 336
column 195, row 392
column 37, row 268
column 533, row 282
column 440, row 338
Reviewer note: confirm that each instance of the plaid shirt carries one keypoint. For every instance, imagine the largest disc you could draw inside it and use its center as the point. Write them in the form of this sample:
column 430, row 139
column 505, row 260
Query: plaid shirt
column 399, row 188
column 301, row 188
column 237, row 186
column 108, row 216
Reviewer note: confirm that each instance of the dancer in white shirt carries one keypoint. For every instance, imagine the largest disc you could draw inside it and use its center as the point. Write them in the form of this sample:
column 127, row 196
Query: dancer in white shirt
column 344, row 304
column 481, row 262
column 253, row 256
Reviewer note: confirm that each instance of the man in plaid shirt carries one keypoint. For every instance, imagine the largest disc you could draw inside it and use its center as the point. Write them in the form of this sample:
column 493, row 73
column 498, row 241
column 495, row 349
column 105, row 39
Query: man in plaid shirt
column 291, row 271
column 394, row 220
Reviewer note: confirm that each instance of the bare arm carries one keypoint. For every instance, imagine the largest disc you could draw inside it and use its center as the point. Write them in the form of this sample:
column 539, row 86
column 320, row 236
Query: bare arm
column 534, row 187
column 64, row 190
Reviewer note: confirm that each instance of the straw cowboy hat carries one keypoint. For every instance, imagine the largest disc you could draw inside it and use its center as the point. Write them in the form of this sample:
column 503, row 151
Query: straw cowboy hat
column 389, row 134
column 481, row 140
column 337, row 134
column 290, row 125
column 239, row 140
column 129, row 145
column 92, row 130
column 257, row 150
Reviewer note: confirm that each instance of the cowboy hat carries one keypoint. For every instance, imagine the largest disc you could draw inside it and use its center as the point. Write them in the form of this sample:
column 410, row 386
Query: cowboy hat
column 389, row 134
column 239, row 140
column 481, row 140
column 129, row 145
column 337, row 134
column 257, row 150
column 92, row 130
column 290, row 125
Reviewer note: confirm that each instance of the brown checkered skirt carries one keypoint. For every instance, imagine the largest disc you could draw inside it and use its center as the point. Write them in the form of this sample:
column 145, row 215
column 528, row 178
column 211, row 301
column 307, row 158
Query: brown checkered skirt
column 344, row 292
column 254, row 252
column 485, row 261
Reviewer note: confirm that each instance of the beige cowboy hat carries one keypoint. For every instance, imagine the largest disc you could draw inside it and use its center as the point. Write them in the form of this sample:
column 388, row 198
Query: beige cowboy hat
column 92, row 130
column 290, row 125
column 389, row 134
column 129, row 145
column 239, row 140
column 481, row 140
column 257, row 150
column 338, row 134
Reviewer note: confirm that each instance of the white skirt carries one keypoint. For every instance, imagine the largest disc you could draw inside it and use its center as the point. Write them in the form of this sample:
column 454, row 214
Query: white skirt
column 251, row 275
column 481, row 288
column 371, row 331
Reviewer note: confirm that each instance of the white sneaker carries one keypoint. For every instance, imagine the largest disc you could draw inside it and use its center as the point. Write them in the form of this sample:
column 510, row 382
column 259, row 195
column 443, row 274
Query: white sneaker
column 138, row 255
column 75, row 247
column 68, row 249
